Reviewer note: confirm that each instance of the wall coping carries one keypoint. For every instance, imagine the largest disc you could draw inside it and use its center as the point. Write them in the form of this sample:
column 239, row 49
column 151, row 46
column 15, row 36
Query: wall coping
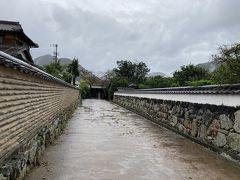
column 17, row 64
column 210, row 89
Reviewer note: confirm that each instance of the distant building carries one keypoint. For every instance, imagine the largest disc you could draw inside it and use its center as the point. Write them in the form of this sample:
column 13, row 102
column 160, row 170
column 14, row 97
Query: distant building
column 15, row 42
column 98, row 92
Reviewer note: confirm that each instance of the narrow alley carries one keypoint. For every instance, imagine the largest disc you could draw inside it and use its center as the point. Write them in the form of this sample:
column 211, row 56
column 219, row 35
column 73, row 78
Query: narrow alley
column 105, row 141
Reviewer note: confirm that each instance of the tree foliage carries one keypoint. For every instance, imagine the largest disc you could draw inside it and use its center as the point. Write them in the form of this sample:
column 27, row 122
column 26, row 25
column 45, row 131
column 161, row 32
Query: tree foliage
column 134, row 72
column 68, row 72
column 229, row 71
column 126, row 73
column 92, row 79
column 201, row 82
column 158, row 82
column 114, row 83
column 190, row 73
column 74, row 70
column 84, row 89
column 54, row 69
column 226, row 54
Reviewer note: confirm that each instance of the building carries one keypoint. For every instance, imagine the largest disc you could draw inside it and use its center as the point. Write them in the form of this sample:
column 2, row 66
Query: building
column 15, row 42
column 98, row 92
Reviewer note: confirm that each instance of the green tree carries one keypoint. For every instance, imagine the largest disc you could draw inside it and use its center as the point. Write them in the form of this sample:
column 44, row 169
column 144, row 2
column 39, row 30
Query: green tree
column 134, row 72
column 67, row 77
column 229, row 71
column 226, row 54
column 114, row 83
column 92, row 79
column 64, row 72
column 141, row 70
column 73, row 68
column 190, row 73
column 125, row 74
column 54, row 69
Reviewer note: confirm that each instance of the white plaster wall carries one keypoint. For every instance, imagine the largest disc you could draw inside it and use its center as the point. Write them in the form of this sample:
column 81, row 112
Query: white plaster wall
column 215, row 99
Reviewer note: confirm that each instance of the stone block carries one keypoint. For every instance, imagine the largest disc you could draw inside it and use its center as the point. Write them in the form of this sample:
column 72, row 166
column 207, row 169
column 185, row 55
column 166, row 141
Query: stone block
column 186, row 115
column 156, row 108
column 194, row 128
column 192, row 116
column 225, row 122
column 32, row 152
column 181, row 127
column 221, row 140
column 187, row 124
column 233, row 140
column 213, row 128
column 180, row 120
column 223, row 131
column 163, row 115
column 174, row 120
column 6, row 170
column 174, row 110
column 199, row 118
column 202, row 131
column 207, row 117
column 236, row 126
column 187, row 131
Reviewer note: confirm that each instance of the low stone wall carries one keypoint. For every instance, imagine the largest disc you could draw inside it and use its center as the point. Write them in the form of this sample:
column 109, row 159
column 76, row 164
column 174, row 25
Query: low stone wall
column 33, row 110
column 217, row 127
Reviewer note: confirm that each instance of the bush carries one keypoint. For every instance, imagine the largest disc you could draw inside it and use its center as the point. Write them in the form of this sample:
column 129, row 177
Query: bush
column 158, row 82
column 84, row 89
column 143, row 86
column 202, row 82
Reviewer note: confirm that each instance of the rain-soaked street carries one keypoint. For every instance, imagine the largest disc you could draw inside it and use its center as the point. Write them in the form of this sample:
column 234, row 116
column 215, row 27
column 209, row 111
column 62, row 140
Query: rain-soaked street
column 104, row 141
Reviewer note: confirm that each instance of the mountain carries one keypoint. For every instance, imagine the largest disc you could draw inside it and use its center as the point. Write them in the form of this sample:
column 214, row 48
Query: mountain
column 65, row 61
column 209, row 66
column 47, row 59
column 153, row 74
column 43, row 60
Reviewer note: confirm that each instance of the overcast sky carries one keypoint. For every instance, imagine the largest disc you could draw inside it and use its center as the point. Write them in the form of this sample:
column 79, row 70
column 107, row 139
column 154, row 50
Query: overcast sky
column 165, row 34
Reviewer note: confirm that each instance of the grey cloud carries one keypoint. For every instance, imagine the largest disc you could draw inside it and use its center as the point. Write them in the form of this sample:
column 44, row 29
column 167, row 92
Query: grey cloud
column 164, row 34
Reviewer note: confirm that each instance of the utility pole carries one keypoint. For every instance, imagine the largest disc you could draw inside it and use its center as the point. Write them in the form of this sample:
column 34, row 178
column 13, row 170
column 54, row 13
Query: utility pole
column 55, row 52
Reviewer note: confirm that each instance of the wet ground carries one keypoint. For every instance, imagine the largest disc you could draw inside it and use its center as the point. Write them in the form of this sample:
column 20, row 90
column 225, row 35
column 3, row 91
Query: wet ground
column 104, row 141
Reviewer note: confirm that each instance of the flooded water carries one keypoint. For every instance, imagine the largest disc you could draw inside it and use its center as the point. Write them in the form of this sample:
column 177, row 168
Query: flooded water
column 104, row 141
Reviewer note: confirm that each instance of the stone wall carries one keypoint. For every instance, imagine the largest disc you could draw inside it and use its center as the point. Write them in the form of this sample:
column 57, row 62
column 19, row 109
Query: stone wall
column 33, row 111
column 217, row 127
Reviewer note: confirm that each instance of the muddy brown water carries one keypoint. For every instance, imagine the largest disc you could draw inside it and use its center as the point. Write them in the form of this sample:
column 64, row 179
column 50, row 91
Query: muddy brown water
column 104, row 141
